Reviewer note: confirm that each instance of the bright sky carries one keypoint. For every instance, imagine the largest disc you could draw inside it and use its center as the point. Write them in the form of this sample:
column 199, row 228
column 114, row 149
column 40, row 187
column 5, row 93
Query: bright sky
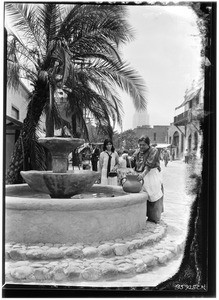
column 166, row 53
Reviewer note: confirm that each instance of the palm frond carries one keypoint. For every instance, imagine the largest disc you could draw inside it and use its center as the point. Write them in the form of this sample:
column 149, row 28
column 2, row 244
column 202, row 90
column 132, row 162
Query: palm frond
column 50, row 19
column 23, row 17
column 124, row 77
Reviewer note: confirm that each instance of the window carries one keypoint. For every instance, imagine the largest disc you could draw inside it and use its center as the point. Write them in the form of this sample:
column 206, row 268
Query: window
column 15, row 113
column 154, row 136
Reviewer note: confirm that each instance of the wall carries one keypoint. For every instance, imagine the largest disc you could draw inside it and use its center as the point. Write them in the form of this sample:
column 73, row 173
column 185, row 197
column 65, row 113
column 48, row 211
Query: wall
column 173, row 130
column 160, row 131
column 72, row 220
column 19, row 99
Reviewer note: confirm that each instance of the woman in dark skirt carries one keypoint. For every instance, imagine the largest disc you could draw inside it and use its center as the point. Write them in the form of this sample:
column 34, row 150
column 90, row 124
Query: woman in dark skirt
column 146, row 162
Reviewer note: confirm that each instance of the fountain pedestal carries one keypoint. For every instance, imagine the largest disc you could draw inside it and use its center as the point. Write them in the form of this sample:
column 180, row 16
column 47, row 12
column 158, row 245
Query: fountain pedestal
column 60, row 148
column 60, row 183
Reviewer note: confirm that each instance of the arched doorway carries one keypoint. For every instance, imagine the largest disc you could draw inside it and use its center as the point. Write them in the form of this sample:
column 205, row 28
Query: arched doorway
column 189, row 142
column 195, row 140
column 182, row 142
column 176, row 143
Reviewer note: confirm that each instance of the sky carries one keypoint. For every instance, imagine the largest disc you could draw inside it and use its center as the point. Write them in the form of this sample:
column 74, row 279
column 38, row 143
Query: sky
column 166, row 53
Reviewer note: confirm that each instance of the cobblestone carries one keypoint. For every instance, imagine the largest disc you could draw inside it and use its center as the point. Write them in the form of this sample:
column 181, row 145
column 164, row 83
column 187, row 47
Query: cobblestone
column 60, row 268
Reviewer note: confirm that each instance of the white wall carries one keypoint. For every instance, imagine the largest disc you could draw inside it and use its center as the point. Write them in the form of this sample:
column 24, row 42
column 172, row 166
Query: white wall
column 19, row 99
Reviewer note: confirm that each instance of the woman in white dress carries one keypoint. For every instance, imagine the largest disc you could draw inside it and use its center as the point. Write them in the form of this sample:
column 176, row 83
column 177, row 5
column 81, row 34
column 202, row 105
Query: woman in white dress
column 108, row 162
column 146, row 161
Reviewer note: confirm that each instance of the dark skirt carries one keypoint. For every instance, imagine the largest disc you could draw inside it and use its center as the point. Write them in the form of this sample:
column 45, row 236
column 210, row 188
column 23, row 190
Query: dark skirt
column 154, row 210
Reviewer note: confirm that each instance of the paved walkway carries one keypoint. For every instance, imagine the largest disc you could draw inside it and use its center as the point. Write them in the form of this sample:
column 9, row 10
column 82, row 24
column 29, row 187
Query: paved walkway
column 146, row 259
column 177, row 202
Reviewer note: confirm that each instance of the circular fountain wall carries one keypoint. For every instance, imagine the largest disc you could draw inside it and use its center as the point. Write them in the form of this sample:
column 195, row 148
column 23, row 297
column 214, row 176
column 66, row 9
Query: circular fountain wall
column 102, row 213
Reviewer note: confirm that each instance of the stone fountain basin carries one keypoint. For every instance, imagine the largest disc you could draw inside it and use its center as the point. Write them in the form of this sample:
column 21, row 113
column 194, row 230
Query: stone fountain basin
column 60, row 185
column 102, row 213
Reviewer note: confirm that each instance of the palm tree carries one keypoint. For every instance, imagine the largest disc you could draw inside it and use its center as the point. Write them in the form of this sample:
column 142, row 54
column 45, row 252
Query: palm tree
column 93, row 89
column 49, row 45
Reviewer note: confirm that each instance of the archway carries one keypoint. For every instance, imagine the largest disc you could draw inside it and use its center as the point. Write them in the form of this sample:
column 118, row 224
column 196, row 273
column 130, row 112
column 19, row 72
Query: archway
column 176, row 142
column 195, row 140
column 189, row 142
column 182, row 142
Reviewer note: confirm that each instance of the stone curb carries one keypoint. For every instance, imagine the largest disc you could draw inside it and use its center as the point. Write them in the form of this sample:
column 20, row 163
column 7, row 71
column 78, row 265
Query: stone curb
column 150, row 234
column 139, row 261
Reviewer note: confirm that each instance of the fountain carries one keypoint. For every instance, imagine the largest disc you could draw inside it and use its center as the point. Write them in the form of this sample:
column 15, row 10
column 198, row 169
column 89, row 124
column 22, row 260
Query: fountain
column 60, row 183
column 79, row 211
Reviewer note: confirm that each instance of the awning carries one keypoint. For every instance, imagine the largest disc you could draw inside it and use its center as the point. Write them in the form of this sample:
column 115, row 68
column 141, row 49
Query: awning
column 161, row 146
column 96, row 144
column 191, row 95
column 82, row 147
column 13, row 124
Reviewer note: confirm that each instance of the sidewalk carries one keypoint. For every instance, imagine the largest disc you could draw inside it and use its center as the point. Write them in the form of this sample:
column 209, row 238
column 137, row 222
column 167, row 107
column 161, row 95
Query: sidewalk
column 177, row 204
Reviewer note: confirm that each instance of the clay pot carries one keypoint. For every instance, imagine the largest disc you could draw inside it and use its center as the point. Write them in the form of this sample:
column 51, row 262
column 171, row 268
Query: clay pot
column 131, row 184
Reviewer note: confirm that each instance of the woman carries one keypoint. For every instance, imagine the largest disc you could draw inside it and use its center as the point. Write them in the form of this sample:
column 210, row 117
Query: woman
column 108, row 162
column 146, row 163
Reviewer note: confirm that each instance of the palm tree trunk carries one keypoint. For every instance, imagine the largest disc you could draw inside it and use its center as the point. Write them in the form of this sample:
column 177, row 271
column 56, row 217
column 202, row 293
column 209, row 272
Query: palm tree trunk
column 74, row 125
column 49, row 125
column 20, row 159
column 16, row 164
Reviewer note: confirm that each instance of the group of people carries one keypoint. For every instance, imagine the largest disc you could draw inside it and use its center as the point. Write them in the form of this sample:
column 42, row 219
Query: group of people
column 146, row 163
column 166, row 155
column 189, row 155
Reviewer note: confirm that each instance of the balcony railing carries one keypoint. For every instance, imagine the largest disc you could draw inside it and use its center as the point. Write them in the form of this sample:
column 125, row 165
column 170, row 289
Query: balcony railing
column 181, row 119
column 193, row 114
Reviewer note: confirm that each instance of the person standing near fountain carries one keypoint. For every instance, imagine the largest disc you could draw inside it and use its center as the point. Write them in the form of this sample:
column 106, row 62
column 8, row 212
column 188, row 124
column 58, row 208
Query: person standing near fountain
column 146, row 162
column 95, row 157
column 108, row 163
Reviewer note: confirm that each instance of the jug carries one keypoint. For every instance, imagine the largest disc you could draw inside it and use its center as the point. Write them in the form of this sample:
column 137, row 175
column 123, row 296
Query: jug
column 131, row 184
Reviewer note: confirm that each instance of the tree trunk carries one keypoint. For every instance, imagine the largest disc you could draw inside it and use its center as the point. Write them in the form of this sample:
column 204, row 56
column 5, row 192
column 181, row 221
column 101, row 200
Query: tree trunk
column 74, row 125
column 21, row 152
column 16, row 164
column 49, row 125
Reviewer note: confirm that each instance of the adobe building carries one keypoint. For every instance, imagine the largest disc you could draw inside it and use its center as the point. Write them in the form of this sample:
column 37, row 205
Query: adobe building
column 16, row 108
column 185, row 131
column 176, row 139
column 157, row 134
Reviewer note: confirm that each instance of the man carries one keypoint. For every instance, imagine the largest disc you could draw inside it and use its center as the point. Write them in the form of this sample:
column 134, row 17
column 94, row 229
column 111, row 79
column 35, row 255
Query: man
column 186, row 156
column 94, row 158
column 166, row 157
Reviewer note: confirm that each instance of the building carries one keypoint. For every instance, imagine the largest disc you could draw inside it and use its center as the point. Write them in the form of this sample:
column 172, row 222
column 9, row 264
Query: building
column 157, row 133
column 185, row 131
column 16, row 108
column 176, row 139
column 140, row 119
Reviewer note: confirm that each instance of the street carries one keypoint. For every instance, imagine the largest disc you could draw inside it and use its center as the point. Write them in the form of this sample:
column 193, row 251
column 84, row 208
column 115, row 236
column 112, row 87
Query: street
column 177, row 201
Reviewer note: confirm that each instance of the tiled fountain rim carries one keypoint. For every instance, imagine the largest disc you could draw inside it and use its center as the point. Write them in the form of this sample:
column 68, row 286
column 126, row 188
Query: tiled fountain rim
column 19, row 203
